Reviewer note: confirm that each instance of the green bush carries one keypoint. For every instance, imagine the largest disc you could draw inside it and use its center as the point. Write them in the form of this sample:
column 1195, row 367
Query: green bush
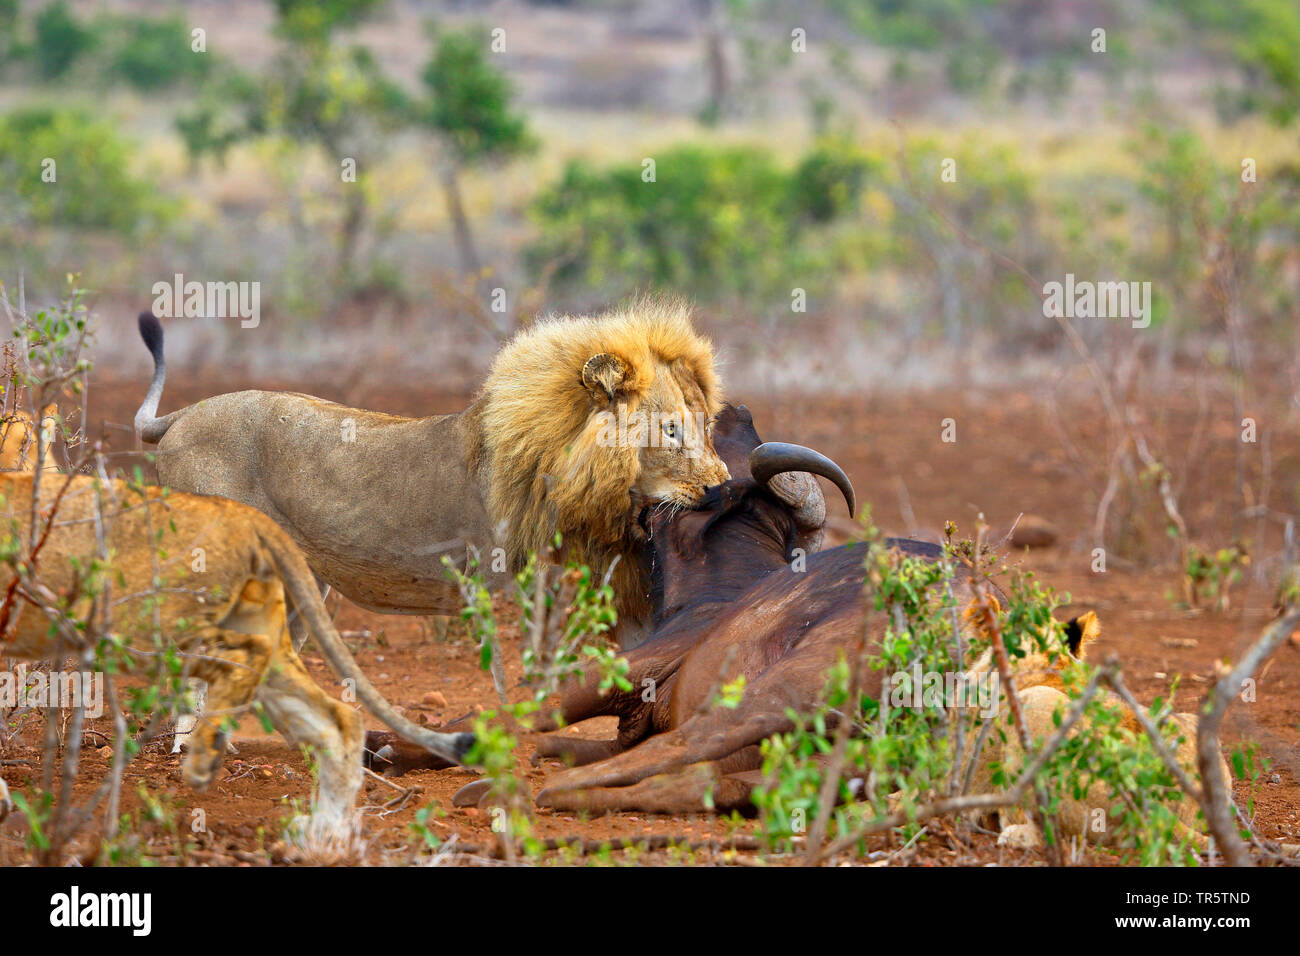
column 93, row 185
column 153, row 54
column 906, row 757
column 828, row 182
column 1263, row 38
column 60, row 41
column 10, row 48
column 716, row 222
column 471, row 100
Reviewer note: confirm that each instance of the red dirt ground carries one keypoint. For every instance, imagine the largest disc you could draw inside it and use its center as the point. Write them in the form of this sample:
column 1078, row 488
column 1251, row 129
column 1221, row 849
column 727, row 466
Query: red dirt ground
column 1012, row 455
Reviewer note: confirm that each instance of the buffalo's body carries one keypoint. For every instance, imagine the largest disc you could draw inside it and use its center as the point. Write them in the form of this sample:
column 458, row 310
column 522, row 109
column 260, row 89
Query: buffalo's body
column 682, row 750
column 735, row 597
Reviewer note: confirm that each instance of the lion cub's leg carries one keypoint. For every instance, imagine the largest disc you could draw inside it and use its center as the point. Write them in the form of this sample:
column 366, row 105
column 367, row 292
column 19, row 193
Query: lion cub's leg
column 185, row 723
column 308, row 716
column 233, row 659
column 233, row 664
column 332, row 731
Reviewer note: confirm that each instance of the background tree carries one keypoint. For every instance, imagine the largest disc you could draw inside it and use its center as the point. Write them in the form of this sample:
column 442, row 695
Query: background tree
column 60, row 41
column 316, row 92
column 469, row 110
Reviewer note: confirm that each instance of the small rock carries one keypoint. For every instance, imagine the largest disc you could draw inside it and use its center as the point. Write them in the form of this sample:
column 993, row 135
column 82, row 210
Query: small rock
column 433, row 700
column 1033, row 532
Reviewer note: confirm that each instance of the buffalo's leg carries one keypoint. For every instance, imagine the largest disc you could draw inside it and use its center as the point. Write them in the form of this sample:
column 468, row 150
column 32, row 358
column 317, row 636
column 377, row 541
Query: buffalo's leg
column 577, row 751
column 719, row 731
column 699, row 788
column 390, row 754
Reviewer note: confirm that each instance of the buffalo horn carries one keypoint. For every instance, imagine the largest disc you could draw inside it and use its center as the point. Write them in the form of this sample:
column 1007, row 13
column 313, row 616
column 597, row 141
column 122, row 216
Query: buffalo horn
column 774, row 458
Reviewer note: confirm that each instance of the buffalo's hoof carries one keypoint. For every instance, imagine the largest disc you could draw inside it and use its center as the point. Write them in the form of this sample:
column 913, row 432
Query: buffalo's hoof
column 389, row 755
column 479, row 793
column 470, row 794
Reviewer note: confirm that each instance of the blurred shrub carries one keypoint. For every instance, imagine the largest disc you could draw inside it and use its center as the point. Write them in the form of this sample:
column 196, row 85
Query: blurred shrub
column 10, row 47
column 1215, row 246
column 1263, row 38
column 153, row 54
column 828, row 182
column 716, row 222
column 93, row 186
column 60, row 40
column 918, row 24
column 311, row 22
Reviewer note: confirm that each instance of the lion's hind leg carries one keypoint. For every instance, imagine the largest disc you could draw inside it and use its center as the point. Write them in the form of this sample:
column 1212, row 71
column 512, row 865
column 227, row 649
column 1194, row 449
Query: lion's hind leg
column 300, row 710
column 250, row 657
column 330, row 730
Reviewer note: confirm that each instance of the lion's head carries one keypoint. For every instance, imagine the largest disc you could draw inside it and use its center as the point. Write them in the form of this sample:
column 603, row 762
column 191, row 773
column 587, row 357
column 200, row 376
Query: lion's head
column 581, row 420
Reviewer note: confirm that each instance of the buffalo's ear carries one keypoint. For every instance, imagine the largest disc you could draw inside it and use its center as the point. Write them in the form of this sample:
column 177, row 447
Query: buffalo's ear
column 688, row 532
column 690, row 527
column 603, row 375
column 1082, row 631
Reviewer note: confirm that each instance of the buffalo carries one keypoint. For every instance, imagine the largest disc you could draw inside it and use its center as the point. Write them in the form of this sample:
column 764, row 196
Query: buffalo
column 734, row 595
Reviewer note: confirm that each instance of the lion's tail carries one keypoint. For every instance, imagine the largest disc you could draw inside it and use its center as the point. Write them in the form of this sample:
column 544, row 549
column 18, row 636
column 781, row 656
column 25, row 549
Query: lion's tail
column 148, row 426
column 297, row 577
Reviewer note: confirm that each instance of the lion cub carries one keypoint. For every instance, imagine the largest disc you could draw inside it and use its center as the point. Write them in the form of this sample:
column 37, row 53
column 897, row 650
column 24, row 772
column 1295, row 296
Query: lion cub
column 18, row 440
column 1042, row 696
column 212, row 578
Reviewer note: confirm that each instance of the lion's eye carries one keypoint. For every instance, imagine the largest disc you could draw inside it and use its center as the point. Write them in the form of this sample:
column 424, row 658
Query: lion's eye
column 670, row 429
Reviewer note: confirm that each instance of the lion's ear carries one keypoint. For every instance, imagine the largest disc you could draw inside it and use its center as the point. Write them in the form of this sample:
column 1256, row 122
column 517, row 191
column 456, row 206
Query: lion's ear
column 603, row 375
column 1082, row 631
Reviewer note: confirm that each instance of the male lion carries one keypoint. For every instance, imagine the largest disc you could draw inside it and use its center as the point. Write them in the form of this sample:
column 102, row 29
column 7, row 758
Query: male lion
column 579, row 422
column 226, row 574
